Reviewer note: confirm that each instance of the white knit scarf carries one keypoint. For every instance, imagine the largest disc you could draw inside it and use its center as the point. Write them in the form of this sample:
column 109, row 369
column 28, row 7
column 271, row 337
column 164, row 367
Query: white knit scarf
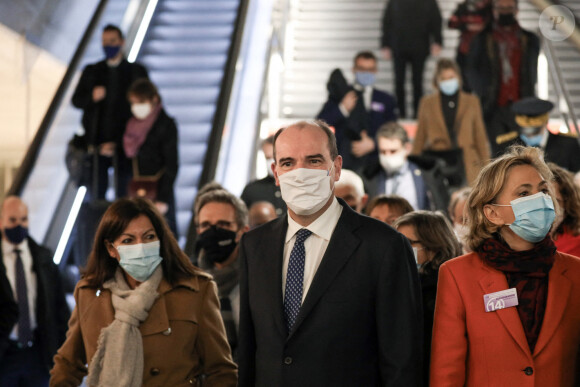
column 118, row 360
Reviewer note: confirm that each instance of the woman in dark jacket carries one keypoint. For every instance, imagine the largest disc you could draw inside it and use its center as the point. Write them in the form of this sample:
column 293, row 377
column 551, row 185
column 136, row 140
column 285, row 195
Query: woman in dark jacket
column 433, row 242
column 150, row 143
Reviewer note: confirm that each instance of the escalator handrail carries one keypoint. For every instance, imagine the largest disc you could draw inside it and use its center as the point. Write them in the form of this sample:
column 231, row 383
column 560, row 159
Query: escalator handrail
column 31, row 156
column 559, row 84
column 215, row 137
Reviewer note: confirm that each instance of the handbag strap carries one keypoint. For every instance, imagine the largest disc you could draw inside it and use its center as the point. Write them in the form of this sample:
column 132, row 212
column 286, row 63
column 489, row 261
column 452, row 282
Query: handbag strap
column 137, row 175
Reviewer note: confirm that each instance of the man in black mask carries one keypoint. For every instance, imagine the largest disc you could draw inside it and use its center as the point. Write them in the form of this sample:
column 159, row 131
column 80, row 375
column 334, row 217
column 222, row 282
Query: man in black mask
column 29, row 279
column 221, row 221
column 502, row 68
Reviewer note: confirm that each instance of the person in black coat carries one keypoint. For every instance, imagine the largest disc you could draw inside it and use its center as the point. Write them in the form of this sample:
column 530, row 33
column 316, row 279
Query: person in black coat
column 357, row 111
column 328, row 297
column 411, row 30
column 150, row 143
column 102, row 95
column 531, row 115
column 434, row 242
column 29, row 341
column 501, row 69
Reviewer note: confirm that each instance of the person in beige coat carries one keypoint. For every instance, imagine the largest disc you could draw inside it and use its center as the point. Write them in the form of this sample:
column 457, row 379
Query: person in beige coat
column 451, row 118
column 144, row 316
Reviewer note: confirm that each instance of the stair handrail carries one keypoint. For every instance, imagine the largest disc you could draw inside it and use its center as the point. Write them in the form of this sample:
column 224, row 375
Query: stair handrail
column 560, row 87
column 33, row 151
column 222, row 104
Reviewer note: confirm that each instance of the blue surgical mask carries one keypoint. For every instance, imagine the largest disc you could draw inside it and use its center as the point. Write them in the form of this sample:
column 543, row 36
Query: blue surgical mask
column 534, row 216
column 449, row 86
column 111, row 51
column 140, row 260
column 532, row 140
column 365, row 78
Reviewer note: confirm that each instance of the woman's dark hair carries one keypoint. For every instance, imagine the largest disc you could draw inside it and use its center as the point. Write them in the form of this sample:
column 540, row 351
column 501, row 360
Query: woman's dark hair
column 101, row 266
column 436, row 235
column 570, row 199
column 145, row 89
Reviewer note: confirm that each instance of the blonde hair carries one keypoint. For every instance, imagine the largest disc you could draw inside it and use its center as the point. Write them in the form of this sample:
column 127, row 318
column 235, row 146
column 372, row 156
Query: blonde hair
column 489, row 184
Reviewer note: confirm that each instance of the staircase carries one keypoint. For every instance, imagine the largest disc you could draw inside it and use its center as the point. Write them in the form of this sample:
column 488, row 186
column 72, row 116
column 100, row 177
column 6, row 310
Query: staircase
column 326, row 34
column 185, row 51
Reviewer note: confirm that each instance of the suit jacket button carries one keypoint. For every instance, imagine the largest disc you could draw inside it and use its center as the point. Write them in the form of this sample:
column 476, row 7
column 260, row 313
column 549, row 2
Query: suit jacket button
column 288, row 360
column 529, row 371
column 154, row 371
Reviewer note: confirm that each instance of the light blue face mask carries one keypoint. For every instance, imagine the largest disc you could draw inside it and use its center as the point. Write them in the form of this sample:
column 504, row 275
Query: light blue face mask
column 532, row 140
column 140, row 260
column 365, row 78
column 449, row 86
column 534, row 216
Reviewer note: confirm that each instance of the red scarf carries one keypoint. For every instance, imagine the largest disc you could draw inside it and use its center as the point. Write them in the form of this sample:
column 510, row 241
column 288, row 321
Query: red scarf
column 137, row 130
column 527, row 271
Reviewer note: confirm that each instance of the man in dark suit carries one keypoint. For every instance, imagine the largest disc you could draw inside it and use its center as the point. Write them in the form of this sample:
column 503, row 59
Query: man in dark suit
column 393, row 174
column 102, row 94
column 532, row 115
column 34, row 283
column 357, row 111
column 328, row 297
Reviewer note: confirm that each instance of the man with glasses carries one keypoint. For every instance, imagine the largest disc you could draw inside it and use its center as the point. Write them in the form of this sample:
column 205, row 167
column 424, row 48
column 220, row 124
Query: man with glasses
column 221, row 221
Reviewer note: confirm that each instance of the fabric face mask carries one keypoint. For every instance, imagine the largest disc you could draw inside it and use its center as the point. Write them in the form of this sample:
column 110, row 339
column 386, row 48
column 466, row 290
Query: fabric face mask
column 305, row 190
column 449, row 86
column 217, row 244
column 140, row 260
column 392, row 163
column 416, row 253
column 534, row 216
column 532, row 140
column 365, row 78
column 111, row 51
column 506, row 19
column 16, row 234
column 141, row 110
column 461, row 231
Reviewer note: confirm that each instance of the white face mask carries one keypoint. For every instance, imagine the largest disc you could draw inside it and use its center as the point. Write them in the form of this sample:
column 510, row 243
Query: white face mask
column 269, row 163
column 141, row 110
column 305, row 190
column 392, row 163
column 461, row 231
column 416, row 254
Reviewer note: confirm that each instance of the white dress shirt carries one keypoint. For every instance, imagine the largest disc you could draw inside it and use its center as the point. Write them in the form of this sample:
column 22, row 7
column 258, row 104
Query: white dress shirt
column 315, row 246
column 9, row 259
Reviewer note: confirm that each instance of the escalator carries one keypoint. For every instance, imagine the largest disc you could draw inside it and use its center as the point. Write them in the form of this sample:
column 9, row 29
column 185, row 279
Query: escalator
column 190, row 48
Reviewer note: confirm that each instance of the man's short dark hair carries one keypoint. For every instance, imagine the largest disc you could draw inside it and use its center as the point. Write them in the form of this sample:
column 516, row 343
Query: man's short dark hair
column 114, row 28
column 364, row 55
column 332, row 147
column 393, row 131
column 226, row 197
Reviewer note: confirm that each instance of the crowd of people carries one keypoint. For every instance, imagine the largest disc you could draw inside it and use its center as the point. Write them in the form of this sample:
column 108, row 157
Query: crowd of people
column 366, row 256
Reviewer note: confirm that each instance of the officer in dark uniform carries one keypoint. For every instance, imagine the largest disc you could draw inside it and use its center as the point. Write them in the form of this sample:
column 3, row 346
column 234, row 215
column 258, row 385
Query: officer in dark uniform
column 532, row 116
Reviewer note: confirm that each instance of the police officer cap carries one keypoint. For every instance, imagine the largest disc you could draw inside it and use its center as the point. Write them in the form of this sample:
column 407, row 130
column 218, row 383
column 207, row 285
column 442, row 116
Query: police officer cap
column 532, row 107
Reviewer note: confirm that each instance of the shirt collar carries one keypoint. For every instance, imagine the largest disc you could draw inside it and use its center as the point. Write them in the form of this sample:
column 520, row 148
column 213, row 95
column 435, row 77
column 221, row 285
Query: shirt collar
column 8, row 248
column 322, row 227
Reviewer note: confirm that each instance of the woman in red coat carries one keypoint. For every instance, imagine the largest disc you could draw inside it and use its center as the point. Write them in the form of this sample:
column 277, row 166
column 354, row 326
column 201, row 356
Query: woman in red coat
column 529, row 333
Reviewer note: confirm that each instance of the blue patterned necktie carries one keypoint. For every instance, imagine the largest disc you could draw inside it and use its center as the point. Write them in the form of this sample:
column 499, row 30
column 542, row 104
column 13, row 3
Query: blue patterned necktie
column 295, row 279
column 24, row 329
